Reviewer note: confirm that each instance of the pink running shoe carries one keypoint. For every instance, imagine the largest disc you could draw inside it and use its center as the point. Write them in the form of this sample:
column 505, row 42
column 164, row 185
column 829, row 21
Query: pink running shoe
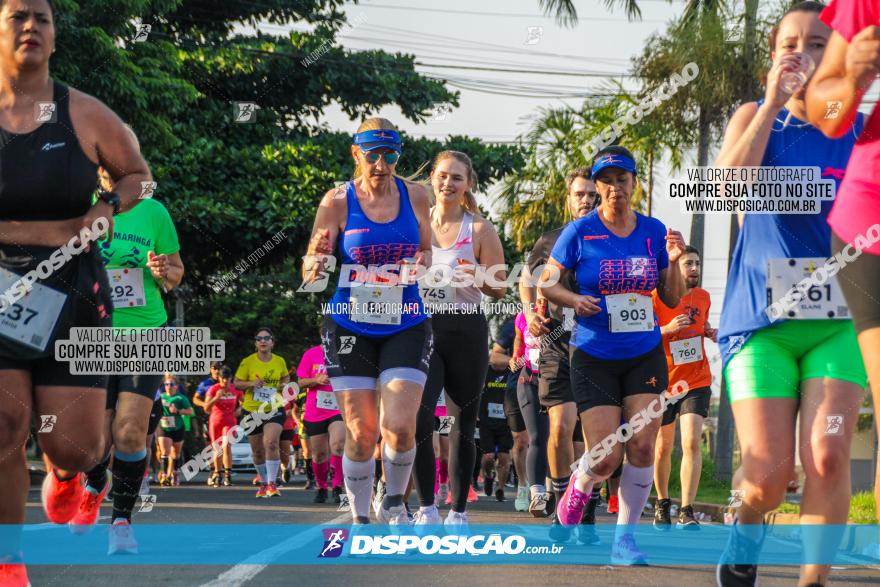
column 571, row 506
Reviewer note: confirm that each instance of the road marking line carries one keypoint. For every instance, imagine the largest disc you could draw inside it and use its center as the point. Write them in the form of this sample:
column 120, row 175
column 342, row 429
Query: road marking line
column 245, row 571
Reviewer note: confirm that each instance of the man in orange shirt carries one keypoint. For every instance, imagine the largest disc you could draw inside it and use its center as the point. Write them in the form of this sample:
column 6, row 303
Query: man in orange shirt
column 683, row 329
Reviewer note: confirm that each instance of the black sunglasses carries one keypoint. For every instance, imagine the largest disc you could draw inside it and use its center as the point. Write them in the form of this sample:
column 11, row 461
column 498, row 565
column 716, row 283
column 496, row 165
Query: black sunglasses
column 262, row 338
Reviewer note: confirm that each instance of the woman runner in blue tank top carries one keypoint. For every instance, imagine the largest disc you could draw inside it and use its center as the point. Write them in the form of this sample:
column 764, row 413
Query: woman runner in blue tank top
column 375, row 328
column 784, row 363
column 617, row 364
column 48, row 174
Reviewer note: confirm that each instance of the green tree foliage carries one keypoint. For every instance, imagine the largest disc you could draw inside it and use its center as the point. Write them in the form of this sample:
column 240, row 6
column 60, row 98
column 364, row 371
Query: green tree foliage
column 232, row 186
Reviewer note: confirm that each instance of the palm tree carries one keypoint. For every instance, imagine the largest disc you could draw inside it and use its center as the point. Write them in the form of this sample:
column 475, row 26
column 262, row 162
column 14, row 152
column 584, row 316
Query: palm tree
column 534, row 195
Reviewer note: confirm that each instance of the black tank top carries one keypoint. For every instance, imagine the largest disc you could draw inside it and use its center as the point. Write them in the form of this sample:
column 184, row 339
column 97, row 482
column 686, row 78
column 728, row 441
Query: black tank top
column 44, row 174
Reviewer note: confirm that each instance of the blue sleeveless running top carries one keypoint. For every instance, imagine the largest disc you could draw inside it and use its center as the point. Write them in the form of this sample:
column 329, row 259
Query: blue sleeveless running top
column 775, row 236
column 373, row 245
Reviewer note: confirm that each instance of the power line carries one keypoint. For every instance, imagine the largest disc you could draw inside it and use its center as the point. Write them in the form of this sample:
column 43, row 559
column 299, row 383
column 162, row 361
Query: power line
column 506, row 14
column 529, row 71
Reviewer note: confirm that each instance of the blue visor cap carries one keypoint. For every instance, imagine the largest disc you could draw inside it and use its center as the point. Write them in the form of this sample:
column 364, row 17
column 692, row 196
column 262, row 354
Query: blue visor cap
column 613, row 160
column 370, row 140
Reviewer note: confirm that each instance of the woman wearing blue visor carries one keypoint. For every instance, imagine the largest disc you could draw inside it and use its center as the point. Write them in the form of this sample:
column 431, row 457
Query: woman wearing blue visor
column 618, row 366
column 376, row 336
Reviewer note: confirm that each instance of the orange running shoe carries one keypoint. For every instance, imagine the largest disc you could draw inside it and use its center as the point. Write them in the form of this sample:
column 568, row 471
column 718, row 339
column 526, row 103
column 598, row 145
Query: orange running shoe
column 272, row 490
column 472, row 494
column 612, row 504
column 61, row 499
column 13, row 573
column 89, row 507
column 262, row 491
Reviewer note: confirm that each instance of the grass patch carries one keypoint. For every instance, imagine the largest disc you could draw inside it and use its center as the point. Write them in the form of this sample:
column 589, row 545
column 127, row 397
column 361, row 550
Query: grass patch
column 862, row 509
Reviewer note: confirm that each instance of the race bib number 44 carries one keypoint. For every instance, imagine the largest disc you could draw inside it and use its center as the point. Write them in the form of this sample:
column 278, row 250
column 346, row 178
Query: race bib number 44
column 31, row 319
column 126, row 287
column 630, row 312
column 689, row 350
column 376, row 305
column 326, row 400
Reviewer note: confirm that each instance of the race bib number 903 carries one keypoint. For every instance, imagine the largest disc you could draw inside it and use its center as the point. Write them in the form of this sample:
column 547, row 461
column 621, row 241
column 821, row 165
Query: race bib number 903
column 630, row 312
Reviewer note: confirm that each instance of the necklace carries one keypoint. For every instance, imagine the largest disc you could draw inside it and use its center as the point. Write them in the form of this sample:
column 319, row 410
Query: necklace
column 443, row 228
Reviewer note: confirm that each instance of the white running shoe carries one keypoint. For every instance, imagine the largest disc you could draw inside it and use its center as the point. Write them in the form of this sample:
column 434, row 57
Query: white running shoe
column 380, row 495
column 394, row 516
column 427, row 517
column 122, row 538
column 457, row 522
column 626, row 552
column 521, row 503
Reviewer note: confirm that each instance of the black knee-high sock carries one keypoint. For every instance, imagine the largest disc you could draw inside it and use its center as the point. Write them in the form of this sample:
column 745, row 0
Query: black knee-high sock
column 310, row 474
column 127, row 478
column 97, row 476
column 462, row 448
column 425, row 466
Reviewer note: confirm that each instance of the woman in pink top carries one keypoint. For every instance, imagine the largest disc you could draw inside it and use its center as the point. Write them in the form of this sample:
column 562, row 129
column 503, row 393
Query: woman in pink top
column 323, row 423
column 526, row 349
column 849, row 67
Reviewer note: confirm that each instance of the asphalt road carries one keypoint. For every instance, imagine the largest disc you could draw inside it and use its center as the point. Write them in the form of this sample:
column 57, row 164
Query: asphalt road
column 196, row 503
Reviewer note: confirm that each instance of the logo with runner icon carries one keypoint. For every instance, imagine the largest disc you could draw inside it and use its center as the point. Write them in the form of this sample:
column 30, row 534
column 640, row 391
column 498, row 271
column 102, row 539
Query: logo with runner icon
column 46, row 112
column 446, row 424
column 334, row 540
column 736, row 498
column 47, row 423
column 834, row 425
column 148, row 500
column 346, row 344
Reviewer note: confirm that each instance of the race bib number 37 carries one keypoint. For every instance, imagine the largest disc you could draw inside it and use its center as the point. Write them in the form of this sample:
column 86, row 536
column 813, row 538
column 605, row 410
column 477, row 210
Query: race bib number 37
column 31, row 319
column 630, row 312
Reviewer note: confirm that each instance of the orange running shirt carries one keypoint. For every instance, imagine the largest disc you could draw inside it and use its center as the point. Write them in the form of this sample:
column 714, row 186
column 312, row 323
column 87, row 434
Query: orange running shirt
column 685, row 351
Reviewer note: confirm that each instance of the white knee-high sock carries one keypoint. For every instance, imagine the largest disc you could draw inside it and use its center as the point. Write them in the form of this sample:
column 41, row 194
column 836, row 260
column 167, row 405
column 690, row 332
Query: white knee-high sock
column 272, row 470
column 358, row 485
column 635, row 487
column 585, row 480
column 398, row 468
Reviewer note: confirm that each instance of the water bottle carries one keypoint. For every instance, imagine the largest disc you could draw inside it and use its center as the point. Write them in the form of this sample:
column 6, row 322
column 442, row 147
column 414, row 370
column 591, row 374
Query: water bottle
column 793, row 81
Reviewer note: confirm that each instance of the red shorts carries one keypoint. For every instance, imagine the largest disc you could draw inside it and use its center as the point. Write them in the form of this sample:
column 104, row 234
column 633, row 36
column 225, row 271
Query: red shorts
column 219, row 428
